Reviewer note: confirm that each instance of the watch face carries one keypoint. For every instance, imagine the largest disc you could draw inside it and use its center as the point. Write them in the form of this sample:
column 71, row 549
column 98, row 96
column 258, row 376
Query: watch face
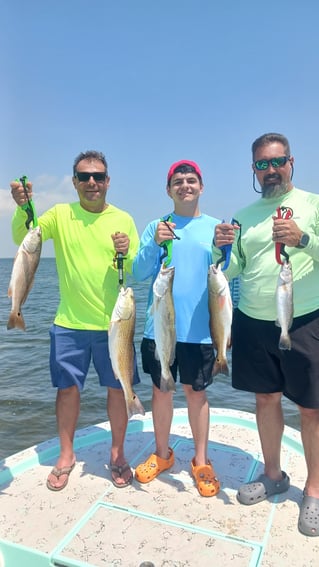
column 304, row 240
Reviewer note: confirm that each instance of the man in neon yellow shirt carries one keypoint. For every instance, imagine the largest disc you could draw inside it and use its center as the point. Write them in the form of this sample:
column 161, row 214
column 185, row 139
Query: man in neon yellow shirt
column 86, row 234
column 289, row 216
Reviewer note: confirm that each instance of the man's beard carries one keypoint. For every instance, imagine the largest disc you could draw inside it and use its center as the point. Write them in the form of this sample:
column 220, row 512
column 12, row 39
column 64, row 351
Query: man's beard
column 274, row 186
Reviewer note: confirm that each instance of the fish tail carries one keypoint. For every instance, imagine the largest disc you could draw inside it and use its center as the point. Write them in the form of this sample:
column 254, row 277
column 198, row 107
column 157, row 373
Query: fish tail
column 134, row 406
column 16, row 321
column 285, row 342
column 167, row 383
column 220, row 367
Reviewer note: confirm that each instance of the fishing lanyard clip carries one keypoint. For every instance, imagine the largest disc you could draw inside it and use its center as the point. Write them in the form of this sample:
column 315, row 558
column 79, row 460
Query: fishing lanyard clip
column 226, row 251
column 118, row 263
column 167, row 244
column 282, row 213
column 28, row 207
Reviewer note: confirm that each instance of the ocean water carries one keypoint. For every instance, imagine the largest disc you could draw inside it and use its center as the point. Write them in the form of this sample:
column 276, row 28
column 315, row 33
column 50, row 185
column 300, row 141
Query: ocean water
column 27, row 399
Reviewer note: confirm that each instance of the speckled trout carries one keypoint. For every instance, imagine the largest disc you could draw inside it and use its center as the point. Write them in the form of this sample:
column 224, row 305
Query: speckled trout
column 284, row 301
column 220, row 317
column 121, row 347
column 164, row 325
column 22, row 276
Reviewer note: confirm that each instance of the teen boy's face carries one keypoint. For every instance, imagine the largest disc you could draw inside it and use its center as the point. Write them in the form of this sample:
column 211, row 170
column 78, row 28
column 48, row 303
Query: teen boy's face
column 184, row 187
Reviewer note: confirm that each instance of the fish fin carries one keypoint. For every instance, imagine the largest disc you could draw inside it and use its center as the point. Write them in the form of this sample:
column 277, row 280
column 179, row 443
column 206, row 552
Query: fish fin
column 221, row 301
column 220, row 367
column 285, row 342
column 16, row 321
column 167, row 384
column 134, row 406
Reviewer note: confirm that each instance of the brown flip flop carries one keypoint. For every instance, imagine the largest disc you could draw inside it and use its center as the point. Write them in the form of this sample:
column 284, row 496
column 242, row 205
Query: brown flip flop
column 119, row 470
column 60, row 472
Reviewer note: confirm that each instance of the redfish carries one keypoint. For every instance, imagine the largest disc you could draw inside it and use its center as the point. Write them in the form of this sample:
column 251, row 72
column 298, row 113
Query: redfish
column 164, row 325
column 121, row 347
column 22, row 277
column 220, row 317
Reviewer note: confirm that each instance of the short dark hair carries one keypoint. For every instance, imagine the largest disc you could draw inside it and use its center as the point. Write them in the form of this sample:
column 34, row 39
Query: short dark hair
column 90, row 155
column 266, row 139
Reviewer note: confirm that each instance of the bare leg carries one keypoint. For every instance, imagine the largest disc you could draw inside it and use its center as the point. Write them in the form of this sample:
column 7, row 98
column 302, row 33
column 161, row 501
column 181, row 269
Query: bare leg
column 270, row 424
column 67, row 413
column 162, row 410
column 116, row 409
column 198, row 415
column 310, row 439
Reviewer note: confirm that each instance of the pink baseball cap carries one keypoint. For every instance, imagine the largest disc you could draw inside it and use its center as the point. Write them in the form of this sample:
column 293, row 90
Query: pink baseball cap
column 183, row 162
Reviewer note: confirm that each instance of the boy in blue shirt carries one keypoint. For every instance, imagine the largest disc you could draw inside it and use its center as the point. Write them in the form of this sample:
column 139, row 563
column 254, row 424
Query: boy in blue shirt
column 190, row 234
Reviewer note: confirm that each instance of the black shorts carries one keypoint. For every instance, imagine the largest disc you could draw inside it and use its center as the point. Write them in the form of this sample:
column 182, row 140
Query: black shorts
column 194, row 363
column 259, row 366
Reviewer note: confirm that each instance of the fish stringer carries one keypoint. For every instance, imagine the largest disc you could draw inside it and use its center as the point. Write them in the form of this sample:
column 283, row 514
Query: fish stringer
column 29, row 206
column 282, row 213
column 167, row 245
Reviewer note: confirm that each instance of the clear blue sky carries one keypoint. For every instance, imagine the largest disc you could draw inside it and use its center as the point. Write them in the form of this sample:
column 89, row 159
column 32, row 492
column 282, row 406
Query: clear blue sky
column 149, row 82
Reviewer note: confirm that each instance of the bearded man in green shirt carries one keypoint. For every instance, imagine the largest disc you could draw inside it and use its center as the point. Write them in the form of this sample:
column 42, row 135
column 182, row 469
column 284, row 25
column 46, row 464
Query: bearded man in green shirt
column 261, row 362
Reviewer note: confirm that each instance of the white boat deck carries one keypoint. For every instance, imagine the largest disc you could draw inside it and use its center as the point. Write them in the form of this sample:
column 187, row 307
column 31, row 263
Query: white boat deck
column 167, row 523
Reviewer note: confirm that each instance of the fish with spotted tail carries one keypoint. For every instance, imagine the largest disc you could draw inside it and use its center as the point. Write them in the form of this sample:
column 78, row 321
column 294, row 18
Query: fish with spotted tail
column 220, row 317
column 121, row 347
column 22, row 276
column 284, row 302
column 164, row 325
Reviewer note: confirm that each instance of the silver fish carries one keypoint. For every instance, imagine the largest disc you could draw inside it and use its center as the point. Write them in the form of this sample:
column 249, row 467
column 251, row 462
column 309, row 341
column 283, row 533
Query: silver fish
column 22, row 276
column 220, row 317
column 121, row 347
column 284, row 301
column 164, row 325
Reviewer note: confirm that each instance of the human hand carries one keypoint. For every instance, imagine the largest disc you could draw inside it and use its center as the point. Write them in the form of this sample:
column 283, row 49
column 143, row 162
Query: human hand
column 286, row 231
column 121, row 242
column 164, row 231
column 19, row 193
column 224, row 234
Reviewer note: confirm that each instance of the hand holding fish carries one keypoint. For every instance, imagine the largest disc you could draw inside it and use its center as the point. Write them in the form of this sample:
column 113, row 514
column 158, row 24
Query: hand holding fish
column 18, row 192
column 224, row 234
column 164, row 231
column 286, row 231
column 121, row 242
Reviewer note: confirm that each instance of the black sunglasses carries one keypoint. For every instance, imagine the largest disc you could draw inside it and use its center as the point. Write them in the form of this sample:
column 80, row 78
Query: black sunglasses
column 263, row 164
column 84, row 176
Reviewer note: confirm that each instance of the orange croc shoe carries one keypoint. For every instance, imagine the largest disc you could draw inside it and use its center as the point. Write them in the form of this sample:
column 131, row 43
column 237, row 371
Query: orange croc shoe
column 206, row 482
column 145, row 472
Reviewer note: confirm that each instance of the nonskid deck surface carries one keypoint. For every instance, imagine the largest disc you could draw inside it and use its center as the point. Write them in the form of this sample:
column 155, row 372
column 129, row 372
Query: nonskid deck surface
column 166, row 522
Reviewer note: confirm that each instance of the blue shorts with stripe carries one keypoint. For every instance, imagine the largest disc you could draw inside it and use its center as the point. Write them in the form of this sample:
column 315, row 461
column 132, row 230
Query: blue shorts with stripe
column 71, row 352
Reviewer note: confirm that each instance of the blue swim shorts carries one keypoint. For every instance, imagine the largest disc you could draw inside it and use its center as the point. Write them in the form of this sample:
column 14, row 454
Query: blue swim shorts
column 71, row 352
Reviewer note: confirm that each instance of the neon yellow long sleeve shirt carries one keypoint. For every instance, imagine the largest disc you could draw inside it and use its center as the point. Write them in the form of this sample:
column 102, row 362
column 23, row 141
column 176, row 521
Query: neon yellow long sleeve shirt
column 84, row 253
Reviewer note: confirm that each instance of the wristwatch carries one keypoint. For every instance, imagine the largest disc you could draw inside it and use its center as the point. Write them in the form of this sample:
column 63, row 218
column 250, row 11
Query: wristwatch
column 304, row 240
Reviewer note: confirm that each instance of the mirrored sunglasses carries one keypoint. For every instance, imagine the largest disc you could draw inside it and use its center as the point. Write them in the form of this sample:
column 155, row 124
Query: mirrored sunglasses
column 263, row 164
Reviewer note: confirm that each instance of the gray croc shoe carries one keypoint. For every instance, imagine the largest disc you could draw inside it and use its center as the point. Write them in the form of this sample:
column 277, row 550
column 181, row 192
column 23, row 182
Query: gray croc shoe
column 261, row 488
column 308, row 522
